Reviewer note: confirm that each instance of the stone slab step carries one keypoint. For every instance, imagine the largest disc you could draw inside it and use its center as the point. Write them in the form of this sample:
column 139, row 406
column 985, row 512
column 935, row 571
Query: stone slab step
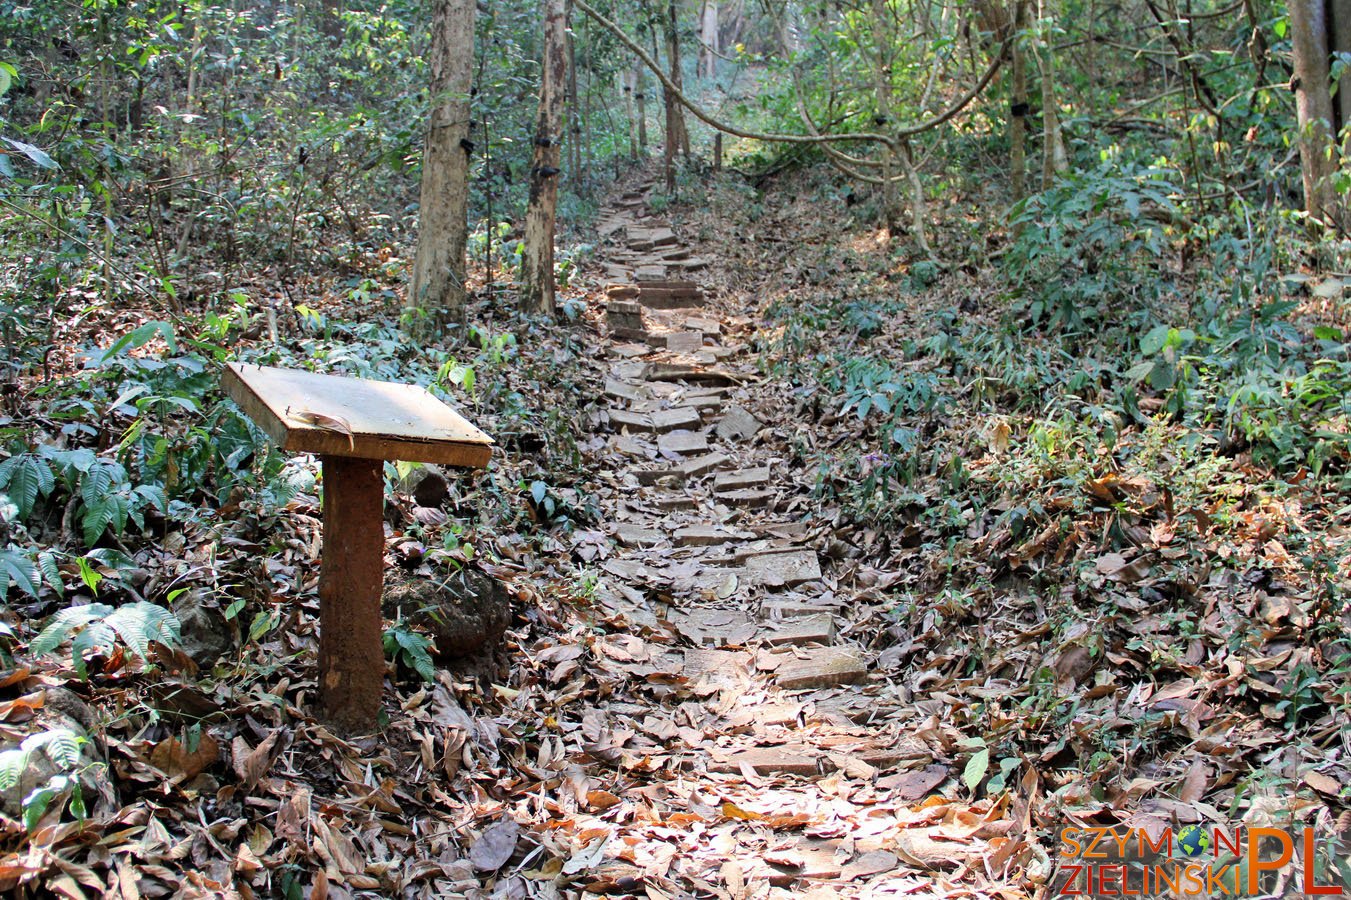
column 785, row 760
column 817, row 629
column 822, row 668
column 683, row 442
column 637, row 536
column 704, row 536
column 746, row 499
column 784, row 569
column 743, row 478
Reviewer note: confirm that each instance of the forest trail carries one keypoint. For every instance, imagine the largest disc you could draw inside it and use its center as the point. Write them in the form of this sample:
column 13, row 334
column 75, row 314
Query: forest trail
column 802, row 773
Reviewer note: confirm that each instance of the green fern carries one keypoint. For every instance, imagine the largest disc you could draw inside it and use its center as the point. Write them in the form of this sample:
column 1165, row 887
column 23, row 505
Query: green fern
column 24, row 478
column 16, row 568
column 411, row 648
column 62, row 747
column 98, row 626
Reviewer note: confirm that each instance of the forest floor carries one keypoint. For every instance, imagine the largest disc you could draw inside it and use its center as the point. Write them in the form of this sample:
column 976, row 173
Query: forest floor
column 749, row 656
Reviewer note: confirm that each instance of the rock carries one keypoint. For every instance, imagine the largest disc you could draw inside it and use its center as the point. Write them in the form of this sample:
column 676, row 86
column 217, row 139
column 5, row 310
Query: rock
column 204, row 633
column 466, row 613
column 61, row 726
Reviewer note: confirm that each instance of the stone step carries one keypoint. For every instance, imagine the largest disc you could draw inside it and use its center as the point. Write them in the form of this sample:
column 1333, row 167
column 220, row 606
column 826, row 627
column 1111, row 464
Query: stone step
column 678, row 341
column 637, row 536
column 660, row 422
column 817, row 629
column 703, row 536
column 784, row 569
column 675, row 502
column 821, row 668
column 746, row 499
column 784, row 760
column 743, row 478
column 682, row 442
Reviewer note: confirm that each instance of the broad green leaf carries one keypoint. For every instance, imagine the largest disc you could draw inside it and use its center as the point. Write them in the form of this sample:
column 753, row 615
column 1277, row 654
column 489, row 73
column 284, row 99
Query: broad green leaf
column 976, row 767
column 36, row 154
column 16, row 568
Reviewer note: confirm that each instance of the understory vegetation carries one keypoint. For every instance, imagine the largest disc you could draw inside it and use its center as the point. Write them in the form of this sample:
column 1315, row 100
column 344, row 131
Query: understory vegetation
column 1083, row 444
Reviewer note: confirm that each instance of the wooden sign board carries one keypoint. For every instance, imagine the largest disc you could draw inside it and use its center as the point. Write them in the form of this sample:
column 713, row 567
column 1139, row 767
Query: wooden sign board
column 334, row 415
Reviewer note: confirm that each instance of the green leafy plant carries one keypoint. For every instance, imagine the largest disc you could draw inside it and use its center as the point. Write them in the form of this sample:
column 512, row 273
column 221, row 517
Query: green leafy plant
column 411, row 648
column 62, row 747
column 98, row 626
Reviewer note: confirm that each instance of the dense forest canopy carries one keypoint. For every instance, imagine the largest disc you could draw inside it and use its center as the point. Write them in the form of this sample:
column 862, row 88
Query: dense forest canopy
column 921, row 427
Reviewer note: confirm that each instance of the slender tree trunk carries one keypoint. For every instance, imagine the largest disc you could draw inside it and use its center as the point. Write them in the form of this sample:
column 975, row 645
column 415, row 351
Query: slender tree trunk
column 1340, row 11
column 439, row 272
column 537, row 256
column 1018, row 107
column 1054, row 159
column 708, row 35
column 674, row 111
column 1309, row 36
column 640, row 100
column 882, row 46
column 572, row 119
column 626, row 86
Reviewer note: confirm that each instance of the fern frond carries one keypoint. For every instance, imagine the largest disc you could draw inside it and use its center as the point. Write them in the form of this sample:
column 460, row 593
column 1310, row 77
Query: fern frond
column 63, row 623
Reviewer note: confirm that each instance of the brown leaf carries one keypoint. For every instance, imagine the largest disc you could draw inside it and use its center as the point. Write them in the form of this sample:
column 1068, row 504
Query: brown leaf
column 251, row 765
column 495, row 846
column 1324, row 784
column 732, row 811
column 174, row 758
column 1194, row 785
column 601, row 800
column 868, row 864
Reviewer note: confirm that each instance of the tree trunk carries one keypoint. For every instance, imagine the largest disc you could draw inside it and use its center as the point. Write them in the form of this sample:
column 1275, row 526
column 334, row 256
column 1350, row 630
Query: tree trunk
column 882, row 45
column 1309, row 36
column 674, row 111
column 1340, row 10
column 537, row 255
column 626, row 84
column 438, row 285
column 708, row 36
column 1054, row 159
column 640, row 99
column 1018, row 106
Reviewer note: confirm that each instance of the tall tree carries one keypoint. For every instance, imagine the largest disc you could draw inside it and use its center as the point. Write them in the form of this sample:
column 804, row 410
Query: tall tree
column 1310, row 35
column 708, row 39
column 537, row 253
column 439, row 273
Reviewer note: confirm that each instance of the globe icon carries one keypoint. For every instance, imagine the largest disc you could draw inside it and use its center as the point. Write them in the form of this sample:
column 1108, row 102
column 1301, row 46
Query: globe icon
column 1193, row 841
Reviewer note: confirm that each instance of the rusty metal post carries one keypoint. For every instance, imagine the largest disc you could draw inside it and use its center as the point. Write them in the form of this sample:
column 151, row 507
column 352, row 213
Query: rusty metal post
column 351, row 655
